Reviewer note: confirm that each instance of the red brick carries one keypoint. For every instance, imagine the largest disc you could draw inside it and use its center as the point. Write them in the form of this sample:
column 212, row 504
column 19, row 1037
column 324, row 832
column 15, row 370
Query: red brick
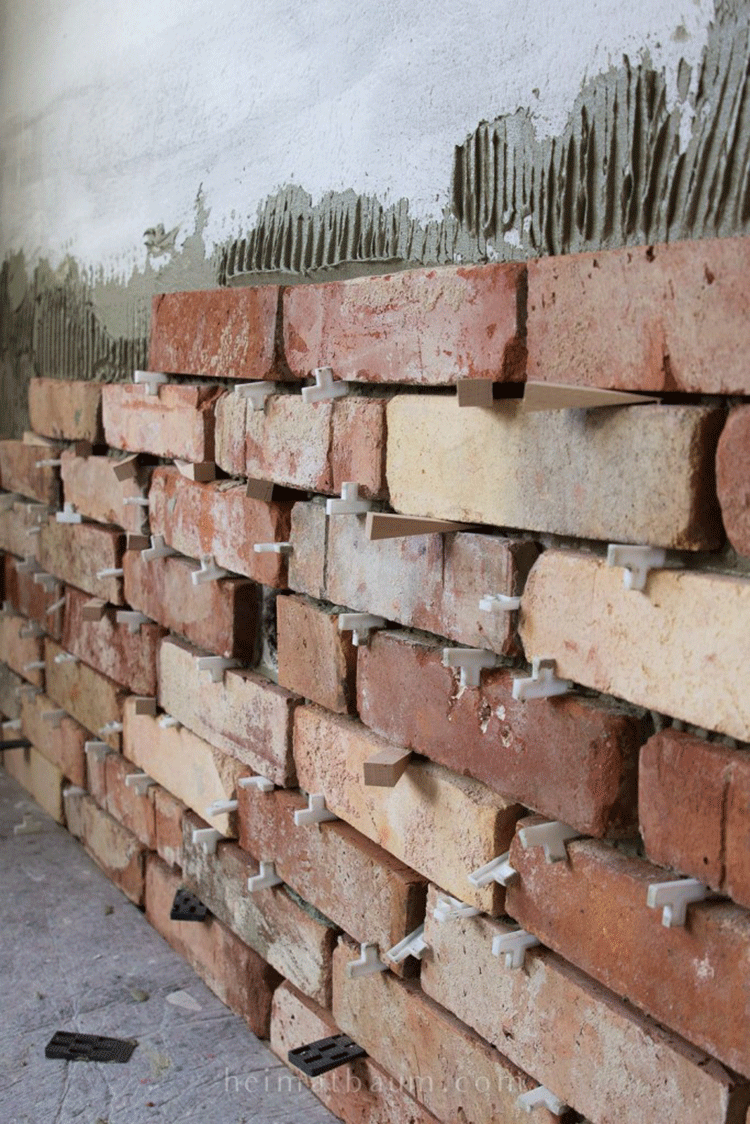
column 225, row 333
column 234, row 972
column 595, row 1051
column 177, row 421
column 41, row 778
column 245, row 715
column 133, row 811
column 572, row 759
column 18, row 526
column 200, row 519
column 19, row 472
column 90, row 697
column 732, row 476
column 19, row 652
column 664, row 318
column 90, row 484
column 221, row 617
column 76, row 552
column 362, row 1092
column 393, row 905
column 737, row 832
column 592, row 910
column 31, row 599
column 111, row 846
column 111, row 648
column 313, row 446
column 168, row 812
column 423, row 326
column 315, row 659
column 448, row 1067
column 287, row 932
column 71, row 409
column 61, row 742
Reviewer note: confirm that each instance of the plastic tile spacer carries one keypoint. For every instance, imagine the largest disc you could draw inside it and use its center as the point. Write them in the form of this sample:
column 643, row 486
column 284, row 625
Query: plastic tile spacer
column 132, row 619
column 552, row 836
column 541, row 1097
column 110, row 728
column 50, row 462
column 673, row 898
column 350, row 503
column 447, row 908
column 158, row 549
column 48, row 582
column 31, row 630
column 220, row 807
column 54, row 717
column 265, row 879
column 273, row 547
column 542, row 683
column 28, row 689
column 325, row 387
column 59, row 604
column 68, row 514
column 150, row 380
column 414, row 945
column 502, row 601
column 136, row 501
column 33, row 530
column 215, row 666
column 66, row 657
column 513, row 946
column 315, row 812
column 257, row 392
column 261, row 783
column 316, row 1058
column 74, row 790
column 168, row 722
column 97, row 750
column 110, row 572
column 28, row 566
column 141, row 782
column 471, row 661
column 11, row 724
column 496, row 870
column 34, row 665
column 637, row 560
column 368, row 964
column 187, row 907
column 209, row 571
column 207, row 838
column 360, row 625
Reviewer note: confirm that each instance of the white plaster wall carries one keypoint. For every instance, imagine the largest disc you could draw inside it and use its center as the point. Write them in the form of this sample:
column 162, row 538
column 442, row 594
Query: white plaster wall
column 114, row 112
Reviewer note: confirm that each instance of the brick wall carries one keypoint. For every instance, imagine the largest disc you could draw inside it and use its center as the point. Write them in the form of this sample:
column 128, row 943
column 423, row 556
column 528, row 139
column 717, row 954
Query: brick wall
column 519, row 738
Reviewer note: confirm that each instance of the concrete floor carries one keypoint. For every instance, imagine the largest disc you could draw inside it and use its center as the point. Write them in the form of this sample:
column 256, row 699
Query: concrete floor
column 78, row 956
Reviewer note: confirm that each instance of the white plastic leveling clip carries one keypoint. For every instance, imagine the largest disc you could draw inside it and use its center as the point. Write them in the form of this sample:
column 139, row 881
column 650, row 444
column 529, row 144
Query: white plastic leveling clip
column 471, row 661
column 220, row 807
column 496, row 870
column 215, row 666
column 141, row 782
column 413, row 945
column 513, row 946
column 132, row 619
column 110, row 728
column 68, row 514
column 273, row 547
column 97, row 750
column 542, row 683
column 50, row 462
column 266, row 878
column 158, row 549
column 673, row 898
column 48, row 582
column 360, row 625
column 368, row 964
column 350, row 503
column 66, row 657
column 54, row 717
column 257, row 392
column 32, row 629
column 325, row 387
column 110, row 572
column 502, row 601
column 447, row 908
column 541, row 1097
column 261, row 783
column 552, row 836
column 637, row 560
column 209, row 571
column 315, row 812
column 207, row 838
column 150, row 380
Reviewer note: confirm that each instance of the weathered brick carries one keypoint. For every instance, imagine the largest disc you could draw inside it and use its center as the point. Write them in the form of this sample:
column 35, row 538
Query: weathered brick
column 168, row 812
column 87, row 695
column 287, row 932
column 90, row 484
column 18, row 525
column 19, row 472
column 315, row 659
column 193, row 770
column 76, row 552
column 19, row 652
column 177, row 421
column 667, row 317
column 737, row 833
column 225, row 333
column 313, row 446
column 133, row 811
column 592, row 910
column 732, row 475
column 561, row 470
column 111, row 846
column 245, row 715
column 439, row 824
column 572, row 759
column 234, row 972
column 558, row 1024
column 451, row 1070
column 111, row 648
column 393, row 905
column 644, row 647
column 61, row 741
column 221, row 617
column 219, row 519
column 362, row 1093
column 11, row 690
column 96, row 774
column 430, row 582
column 422, row 326
column 32, row 599
column 40, row 777
column 67, row 408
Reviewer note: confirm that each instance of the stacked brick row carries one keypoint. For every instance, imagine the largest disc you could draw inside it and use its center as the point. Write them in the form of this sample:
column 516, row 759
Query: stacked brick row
column 188, row 697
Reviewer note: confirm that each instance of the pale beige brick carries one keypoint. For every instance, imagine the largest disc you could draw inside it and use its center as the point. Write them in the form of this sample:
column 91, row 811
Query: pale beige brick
column 41, row 778
column 90, row 484
column 66, row 408
column 77, row 552
column 86, row 694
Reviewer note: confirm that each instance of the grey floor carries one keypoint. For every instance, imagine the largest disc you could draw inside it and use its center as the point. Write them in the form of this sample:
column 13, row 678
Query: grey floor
column 77, row 956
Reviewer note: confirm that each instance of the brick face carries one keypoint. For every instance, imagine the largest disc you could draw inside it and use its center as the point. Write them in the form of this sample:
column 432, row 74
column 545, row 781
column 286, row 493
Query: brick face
column 111, row 648
column 19, row 472
column 732, row 473
column 87, row 695
column 573, row 759
column 316, row 660
column 66, row 408
column 90, row 484
column 115, row 849
column 77, row 552
column 41, row 778
column 62, row 743
column 178, row 421
column 426, row 326
column 32, row 599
